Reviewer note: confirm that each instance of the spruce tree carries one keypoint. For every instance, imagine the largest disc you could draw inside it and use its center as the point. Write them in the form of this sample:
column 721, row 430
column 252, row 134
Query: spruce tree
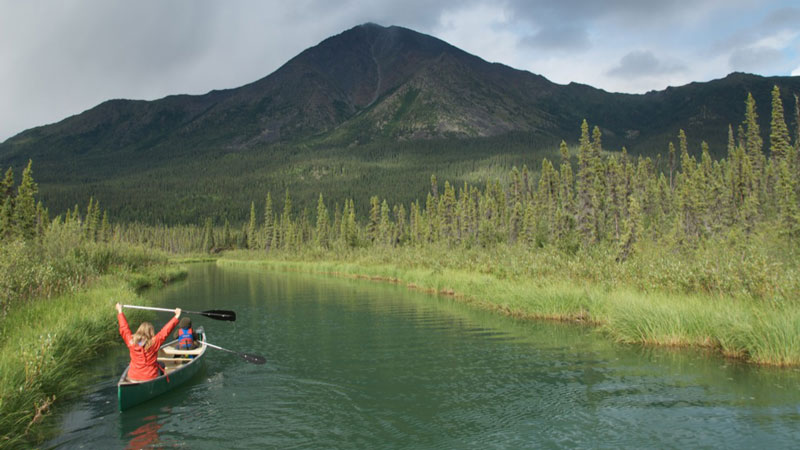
column 252, row 241
column 226, row 241
column 632, row 229
column 7, row 186
column 779, row 143
column 344, row 231
column 374, row 218
column 208, row 236
column 447, row 214
column 269, row 221
column 352, row 226
column 286, row 220
column 672, row 161
column 401, row 232
column 105, row 228
column 6, row 220
column 385, row 225
column 94, row 218
column 25, row 205
column 585, row 213
column 754, row 144
column 323, row 220
column 789, row 211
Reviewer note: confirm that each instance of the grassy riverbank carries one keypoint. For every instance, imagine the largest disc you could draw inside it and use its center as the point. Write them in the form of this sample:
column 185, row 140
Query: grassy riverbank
column 45, row 343
column 702, row 301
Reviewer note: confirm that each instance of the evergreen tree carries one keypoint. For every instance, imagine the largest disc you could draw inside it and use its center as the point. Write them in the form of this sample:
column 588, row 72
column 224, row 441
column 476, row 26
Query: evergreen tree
column 754, row 143
column 252, row 241
column 585, row 213
column 401, row 234
column 323, row 220
column 269, row 221
column 787, row 200
column 631, row 229
column 286, row 220
column 352, row 226
column 374, row 218
column 385, row 225
column 93, row 221
column 105, row 228
column 208, row 236
column 448, row 229
column 226, row 241
column 779, row 143
column 344, row 232
column 6, row 220
column 25, row 205
column 7, row 186
column 672, row 160
column 566, row 210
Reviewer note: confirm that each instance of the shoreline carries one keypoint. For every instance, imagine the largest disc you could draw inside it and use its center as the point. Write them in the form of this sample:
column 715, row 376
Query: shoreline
column 75, row 326
column 740, row 329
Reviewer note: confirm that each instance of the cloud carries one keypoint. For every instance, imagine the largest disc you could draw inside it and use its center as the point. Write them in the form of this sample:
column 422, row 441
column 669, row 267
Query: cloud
column 796, row 72
column 754, row 59
column 643, row 63
column 559, row 38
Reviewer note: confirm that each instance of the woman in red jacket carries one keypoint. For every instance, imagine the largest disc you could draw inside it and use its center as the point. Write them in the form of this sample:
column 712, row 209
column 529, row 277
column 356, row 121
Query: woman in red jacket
column 143, row 346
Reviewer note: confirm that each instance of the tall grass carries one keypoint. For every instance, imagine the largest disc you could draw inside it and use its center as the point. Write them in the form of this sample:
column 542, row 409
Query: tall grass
column 46, row 342
column 57, row 294
column 740, row 300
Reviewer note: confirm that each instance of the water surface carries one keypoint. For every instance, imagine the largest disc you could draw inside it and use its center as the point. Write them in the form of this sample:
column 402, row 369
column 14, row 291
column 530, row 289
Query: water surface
column 357, row 364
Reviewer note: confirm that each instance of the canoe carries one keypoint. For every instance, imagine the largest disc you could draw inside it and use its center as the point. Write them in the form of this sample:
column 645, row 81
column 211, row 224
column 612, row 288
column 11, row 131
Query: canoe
column 180, row 366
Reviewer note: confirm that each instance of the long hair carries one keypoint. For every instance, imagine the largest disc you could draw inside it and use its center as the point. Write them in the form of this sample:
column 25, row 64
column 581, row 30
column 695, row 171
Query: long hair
column 144, row 335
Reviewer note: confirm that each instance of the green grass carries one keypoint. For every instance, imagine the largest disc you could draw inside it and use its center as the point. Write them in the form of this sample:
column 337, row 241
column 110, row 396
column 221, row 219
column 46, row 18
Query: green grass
column 45, row 344
column 687, row 307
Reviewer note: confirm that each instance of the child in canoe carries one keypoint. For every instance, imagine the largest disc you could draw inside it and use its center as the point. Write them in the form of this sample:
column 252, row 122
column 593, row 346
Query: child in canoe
column 143, row 346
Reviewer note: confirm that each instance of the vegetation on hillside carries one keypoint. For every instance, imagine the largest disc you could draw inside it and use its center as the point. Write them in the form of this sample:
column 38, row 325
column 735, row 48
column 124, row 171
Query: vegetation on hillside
column 57, row 281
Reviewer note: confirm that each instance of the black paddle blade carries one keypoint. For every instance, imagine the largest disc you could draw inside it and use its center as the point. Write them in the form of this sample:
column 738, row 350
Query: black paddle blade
column 220, row 314
column 255, row 359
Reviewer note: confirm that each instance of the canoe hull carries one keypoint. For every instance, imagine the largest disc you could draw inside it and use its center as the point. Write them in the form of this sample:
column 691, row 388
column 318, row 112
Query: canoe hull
column 131, row 394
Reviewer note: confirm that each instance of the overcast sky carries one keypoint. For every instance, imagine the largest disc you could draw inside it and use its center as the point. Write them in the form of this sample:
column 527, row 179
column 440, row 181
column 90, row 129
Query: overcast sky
column 61, row 57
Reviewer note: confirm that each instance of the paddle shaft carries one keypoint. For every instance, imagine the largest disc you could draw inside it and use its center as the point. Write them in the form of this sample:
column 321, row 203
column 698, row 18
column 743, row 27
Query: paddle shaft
column 214, row 314
column 255, row 359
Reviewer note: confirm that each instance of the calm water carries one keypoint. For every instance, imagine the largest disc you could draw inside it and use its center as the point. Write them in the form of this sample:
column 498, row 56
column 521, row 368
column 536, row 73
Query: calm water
column 355, row 364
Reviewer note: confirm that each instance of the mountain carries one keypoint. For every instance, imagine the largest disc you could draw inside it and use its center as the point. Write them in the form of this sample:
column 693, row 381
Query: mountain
column 369, row 95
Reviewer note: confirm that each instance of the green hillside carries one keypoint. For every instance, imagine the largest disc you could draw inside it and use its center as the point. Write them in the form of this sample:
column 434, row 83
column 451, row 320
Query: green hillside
column 372, row 111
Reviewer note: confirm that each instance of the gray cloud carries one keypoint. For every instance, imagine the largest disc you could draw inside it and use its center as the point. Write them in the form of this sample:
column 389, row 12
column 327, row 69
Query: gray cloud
column 643, row 63
column 559, row 38
column 754, row 59
column 781, row 20
column 59, row 58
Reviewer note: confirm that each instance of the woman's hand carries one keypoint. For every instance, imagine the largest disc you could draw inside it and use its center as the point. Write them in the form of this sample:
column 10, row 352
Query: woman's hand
column 119, row 308
column 177, row 312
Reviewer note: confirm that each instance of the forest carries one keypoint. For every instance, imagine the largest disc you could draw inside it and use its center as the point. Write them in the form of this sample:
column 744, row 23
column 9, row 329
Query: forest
column 685, row 251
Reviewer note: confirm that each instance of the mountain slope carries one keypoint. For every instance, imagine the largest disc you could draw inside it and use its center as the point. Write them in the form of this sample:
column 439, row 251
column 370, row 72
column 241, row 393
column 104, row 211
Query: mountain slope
column 366, row 93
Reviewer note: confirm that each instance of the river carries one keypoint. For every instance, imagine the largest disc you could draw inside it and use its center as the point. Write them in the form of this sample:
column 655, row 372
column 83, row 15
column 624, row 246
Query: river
column 360, row 364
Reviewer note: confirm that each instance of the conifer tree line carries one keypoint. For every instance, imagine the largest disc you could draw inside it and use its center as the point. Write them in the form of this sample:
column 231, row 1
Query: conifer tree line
column 607, row 198
column 23, row 218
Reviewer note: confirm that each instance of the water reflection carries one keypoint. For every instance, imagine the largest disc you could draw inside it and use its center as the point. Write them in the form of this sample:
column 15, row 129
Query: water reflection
column 144, row 436
column 358, row 364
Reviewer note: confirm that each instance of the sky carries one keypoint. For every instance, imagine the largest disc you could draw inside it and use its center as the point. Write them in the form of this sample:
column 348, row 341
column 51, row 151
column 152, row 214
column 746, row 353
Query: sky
column 61, row 57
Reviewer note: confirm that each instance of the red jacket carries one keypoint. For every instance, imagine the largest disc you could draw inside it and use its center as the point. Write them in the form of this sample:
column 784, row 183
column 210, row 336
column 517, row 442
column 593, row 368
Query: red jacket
column 143, row 362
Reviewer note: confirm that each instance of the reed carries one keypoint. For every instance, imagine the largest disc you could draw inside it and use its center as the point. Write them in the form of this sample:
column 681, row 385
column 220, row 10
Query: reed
column 45, row 344
column 664, row 301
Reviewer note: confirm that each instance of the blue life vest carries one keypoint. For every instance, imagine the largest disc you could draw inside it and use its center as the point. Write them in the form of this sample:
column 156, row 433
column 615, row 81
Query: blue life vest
column 185, row 338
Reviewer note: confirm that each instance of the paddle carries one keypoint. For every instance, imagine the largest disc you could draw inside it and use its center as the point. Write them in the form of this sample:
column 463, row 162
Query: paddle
column 255, row 359
column 218, row 314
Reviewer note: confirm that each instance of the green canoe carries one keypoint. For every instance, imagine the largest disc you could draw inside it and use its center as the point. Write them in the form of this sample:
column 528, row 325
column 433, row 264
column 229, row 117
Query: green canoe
column 180, row 366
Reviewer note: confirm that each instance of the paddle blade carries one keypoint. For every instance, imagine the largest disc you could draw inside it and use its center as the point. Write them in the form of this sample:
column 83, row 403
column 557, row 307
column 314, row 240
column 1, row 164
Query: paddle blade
column 255, row 359
column 220, row 314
